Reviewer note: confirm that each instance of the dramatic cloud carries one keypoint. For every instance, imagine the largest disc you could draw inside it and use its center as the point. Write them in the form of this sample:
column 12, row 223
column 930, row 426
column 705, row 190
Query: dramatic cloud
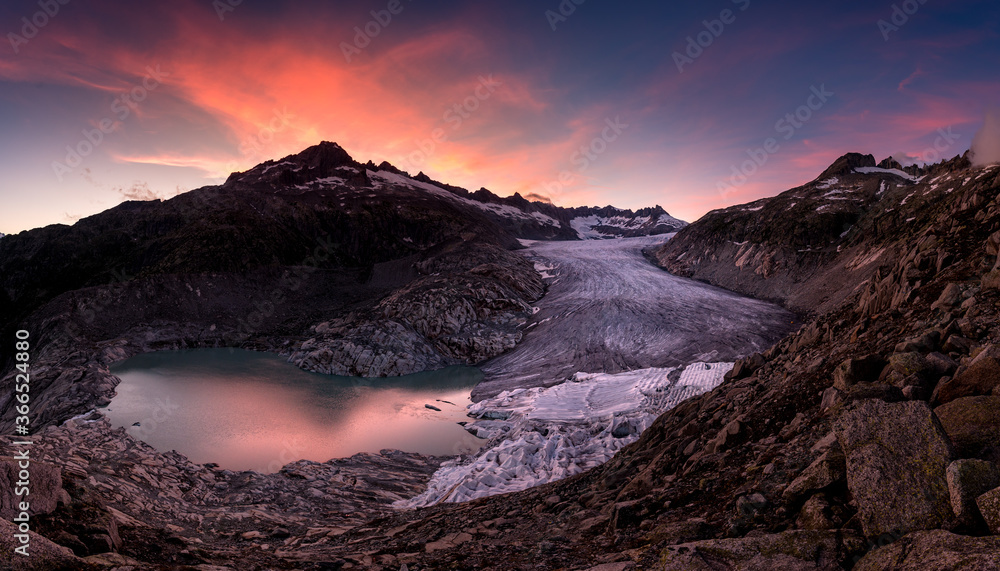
column 474, row 95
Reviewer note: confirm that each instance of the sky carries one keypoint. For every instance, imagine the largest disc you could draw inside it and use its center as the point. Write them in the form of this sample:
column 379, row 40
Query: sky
column 689, row 105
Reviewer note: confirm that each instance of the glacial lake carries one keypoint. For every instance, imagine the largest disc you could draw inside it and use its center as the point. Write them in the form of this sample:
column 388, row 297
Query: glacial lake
column 245, row 410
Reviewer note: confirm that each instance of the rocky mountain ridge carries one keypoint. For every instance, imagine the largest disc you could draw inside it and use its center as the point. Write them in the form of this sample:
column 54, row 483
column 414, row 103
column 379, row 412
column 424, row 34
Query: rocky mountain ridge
column 810, row 247
column 329, row 168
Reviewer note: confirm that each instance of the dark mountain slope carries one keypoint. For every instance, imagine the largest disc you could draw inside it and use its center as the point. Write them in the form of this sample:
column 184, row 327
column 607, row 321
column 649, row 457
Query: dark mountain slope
column 811, row 246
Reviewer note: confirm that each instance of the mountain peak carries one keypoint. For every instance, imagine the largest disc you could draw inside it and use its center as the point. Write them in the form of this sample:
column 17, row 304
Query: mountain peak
column 324, row 156
column 847, row 163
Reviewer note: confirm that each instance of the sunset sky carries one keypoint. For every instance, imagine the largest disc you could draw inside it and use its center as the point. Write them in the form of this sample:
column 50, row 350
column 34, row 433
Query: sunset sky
column 188, row 91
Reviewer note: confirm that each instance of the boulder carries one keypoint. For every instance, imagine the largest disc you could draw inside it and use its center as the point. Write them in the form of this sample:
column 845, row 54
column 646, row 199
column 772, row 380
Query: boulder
column 935, row 549
column 949, row 298
column 745, row 367
column 903, row 366
column 941, row 364
column 967, row 480
column 814, row 514
column 989, row 506
column 980, row 378
column 897, row 456
column 46, row 488
column 924, row 343
column 880, row 391
column 828, row 469
column 43, row 555
column 958, row 344
column 789, row 551
column 854, row 371
column 991, row 280
column 972, row 423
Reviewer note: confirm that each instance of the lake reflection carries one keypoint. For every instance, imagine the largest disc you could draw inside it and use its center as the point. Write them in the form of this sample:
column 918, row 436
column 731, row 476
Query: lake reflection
column 246, row 410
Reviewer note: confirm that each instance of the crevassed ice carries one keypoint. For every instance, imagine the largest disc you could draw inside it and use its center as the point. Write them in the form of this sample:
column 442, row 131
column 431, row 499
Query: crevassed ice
column 541, row 435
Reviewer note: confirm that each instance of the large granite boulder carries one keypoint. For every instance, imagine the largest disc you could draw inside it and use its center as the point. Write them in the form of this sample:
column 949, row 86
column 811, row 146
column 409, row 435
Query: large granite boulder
column 897, row 456
column 937, row 549
column 789, row 551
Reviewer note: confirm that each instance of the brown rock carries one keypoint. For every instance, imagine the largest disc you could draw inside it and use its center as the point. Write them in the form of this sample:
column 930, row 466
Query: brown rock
column 980, row 378
column 43, row 555
column 814, row 514
column 854, row 371
column 972, row 423
column 789, row 551
column 989, row 506
column 897, row 455
column 828, row 469
column 935, row 549
column 46, row 488
column 991, row 280
column 967, row 480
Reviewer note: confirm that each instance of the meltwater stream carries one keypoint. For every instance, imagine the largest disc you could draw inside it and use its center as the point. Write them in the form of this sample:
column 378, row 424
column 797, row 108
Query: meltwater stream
column 254, row 411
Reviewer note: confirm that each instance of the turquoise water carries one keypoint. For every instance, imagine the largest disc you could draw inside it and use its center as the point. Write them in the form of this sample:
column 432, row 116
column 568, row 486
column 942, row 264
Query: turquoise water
column 245, row 410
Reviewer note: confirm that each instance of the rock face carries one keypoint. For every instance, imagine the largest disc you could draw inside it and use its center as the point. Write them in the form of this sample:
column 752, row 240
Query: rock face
column 43, row 554
column 989, row 507
column 967, row 481
column 972, row 423
column 936, row 549
column 897, row 455
column 46, row 488
column 980, row 378
column 792, row 550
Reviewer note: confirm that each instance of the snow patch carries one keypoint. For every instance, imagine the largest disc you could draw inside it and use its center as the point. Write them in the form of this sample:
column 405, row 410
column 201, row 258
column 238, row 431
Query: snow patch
column 897, row 172
column 827, row 183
